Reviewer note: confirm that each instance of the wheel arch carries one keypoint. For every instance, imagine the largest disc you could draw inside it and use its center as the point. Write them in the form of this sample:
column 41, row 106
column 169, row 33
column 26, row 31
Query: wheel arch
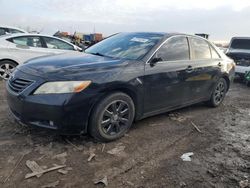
column 124, row 89
column 132, row 92
column 6, row 59
column 226, row 77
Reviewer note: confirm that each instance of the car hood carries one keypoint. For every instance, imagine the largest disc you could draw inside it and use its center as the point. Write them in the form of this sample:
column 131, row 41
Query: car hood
column 59, row 66
column 238, row 54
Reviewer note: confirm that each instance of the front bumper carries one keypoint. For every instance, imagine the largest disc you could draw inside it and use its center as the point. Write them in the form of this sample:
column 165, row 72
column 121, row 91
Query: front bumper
column 66, row 113
column 242, row 69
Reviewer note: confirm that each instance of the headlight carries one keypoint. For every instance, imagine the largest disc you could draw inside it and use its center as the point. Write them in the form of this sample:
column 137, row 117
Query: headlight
column 62, row 87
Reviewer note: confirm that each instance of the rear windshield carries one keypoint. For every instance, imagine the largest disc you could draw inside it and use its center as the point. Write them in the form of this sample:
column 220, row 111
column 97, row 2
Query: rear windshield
column 241, row 44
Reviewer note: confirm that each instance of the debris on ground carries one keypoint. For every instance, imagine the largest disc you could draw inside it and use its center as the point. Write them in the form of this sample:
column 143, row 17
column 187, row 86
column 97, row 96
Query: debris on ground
column 61, row 157
column 76, row 147
column 183, row 184
column 103, row 181
column 30, row 175
column 103, row 147
column 177, row 117
column 187, row 156
column 118, row 150
column 62, row 171
column 244, row 184
column 12, row 171
column 195, row 126
column 130, row 183
column 68, row 168
column 91, row 156
column 53, row 184
column 34, row 167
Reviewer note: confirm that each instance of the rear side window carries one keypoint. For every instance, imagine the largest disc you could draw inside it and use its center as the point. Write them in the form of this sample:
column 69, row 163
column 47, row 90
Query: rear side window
column 57, row 44
column 174, row 49
column 27, row 41
column 200, row 49
column 214, row 54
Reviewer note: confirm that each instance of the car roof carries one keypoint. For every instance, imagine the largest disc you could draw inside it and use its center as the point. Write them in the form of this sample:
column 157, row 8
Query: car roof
column 240, row 38
column 11, row 27
column 31, row 34
column 168, row 34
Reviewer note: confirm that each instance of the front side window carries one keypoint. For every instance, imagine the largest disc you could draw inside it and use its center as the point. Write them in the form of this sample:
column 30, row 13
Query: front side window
column 214, row 54
column 131, row 46
column 57, row 44
column 174, row 49
column 200, row 48
column 27, row 41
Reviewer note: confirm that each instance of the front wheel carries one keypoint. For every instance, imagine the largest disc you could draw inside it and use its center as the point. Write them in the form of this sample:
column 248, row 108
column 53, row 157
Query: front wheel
column 219, row 93
column 112, row 117
column 6, row 68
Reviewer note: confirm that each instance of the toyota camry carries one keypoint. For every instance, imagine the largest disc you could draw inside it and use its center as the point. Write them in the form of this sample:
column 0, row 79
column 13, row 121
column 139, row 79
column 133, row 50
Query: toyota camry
column 122, row 79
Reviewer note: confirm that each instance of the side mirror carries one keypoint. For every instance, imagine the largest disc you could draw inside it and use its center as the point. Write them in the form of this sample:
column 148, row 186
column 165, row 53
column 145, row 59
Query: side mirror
column 154, row 61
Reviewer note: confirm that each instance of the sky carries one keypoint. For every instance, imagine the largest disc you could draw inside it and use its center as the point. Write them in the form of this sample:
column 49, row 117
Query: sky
column 222, row 19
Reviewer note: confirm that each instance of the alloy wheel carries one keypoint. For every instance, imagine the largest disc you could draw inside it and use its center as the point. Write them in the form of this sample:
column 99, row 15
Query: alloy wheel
column 219, row 93
column 5, row 70
column 115, row 118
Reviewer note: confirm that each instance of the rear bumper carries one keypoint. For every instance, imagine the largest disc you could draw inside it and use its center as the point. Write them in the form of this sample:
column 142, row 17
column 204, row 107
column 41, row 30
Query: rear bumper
column 68, row 114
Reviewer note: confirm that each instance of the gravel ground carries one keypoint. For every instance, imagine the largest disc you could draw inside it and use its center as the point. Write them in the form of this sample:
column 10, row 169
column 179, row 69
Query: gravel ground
column 148, row 156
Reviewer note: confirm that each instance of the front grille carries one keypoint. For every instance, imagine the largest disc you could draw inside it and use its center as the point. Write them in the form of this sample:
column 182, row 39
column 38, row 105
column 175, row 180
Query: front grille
column 245, row 63
column 18, row 85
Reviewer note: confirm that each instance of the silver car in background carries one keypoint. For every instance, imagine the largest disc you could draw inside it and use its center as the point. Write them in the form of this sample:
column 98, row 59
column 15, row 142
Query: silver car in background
column 10, row 30
column 18, row 48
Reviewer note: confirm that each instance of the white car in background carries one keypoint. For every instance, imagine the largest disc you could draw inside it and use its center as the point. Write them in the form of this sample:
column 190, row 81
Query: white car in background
column 18, row 48
column 10, row 30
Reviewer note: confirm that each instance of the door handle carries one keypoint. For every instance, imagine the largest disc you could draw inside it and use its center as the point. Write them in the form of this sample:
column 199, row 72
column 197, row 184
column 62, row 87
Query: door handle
column 189, row 69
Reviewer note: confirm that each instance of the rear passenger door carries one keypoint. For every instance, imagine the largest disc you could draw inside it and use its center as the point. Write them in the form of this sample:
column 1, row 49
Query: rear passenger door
column 206, row 68
column 26, row 47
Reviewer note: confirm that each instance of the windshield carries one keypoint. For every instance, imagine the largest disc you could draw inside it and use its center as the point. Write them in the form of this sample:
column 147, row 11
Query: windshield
column 126, row 45
column 241, row 44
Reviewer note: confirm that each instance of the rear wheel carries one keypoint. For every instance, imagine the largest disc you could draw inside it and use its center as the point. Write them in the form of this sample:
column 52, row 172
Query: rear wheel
column 6, row 68
column 219, row 93
column 112, row 117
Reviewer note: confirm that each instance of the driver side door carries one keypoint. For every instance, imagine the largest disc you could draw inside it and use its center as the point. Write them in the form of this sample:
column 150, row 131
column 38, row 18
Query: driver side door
column 165, row 79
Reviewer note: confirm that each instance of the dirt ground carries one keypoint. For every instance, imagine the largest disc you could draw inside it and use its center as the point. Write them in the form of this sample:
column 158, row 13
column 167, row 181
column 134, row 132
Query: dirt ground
column 148, row 156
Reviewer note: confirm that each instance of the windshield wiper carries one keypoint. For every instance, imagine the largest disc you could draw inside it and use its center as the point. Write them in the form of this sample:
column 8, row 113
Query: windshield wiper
column 97, row 53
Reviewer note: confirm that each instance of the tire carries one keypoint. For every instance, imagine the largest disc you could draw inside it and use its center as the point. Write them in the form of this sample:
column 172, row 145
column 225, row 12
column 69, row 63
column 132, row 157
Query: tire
column 6, row 68
column 112, row 117
column 219, row 93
